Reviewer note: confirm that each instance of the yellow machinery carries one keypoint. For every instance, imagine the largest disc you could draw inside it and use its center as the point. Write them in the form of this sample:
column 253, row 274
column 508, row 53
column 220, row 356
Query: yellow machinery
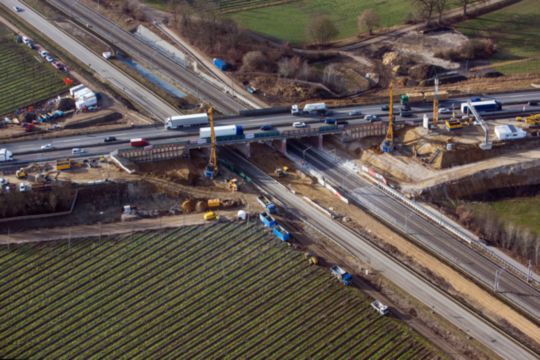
column 63, row 165
column 214, row 203
column 436, row 103
column 532, row 121
column 453, row 123
column 388, row 144
column 212, row 170
column 22, row 173
column 209, row 216
column 233, row 184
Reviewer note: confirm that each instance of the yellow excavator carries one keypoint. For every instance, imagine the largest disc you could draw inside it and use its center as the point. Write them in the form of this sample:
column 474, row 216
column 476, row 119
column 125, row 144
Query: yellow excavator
column 532, row 121
column 212, row 170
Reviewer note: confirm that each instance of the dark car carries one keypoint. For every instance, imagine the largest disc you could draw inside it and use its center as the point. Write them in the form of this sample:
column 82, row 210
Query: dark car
column 330, row 121
column 405, row 113
column 533, row 103
column 110, row 139
column 406, row 107
column 342, row 122
column 266, row 127
column 385, row 108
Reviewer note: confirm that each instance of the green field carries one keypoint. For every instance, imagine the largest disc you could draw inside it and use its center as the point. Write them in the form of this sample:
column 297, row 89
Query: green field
column 24, row 78
column 515, row 30
column 524, row 212
column 225, row 290
column 288, row 22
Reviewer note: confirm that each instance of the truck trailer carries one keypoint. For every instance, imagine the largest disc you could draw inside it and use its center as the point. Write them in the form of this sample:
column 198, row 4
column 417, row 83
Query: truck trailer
column 267, row 204
column 5, row 155
column 267, row 220
column 222, row 131
column 281, row 233
column 309, row 109
column 183, row 121
column 341, row 275
column 482, row 106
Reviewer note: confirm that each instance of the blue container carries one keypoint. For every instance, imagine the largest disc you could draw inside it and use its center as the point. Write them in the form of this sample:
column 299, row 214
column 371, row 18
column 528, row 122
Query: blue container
column 267, row 220
column 281, row 233
column 220, row 64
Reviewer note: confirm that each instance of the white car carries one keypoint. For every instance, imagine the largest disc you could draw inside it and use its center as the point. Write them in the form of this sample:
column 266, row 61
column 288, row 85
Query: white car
column 3, row 181
column 49, row 58
column 299, row 124
column 355, row 112
column 76, row 151
column 43, row 53
column 47, row 147
column 18, row 9
column 444, row 110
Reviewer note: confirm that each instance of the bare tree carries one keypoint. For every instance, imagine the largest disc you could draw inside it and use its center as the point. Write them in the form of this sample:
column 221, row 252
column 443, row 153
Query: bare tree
column 256, row 61
column 465, row 4
column 426, row 8
column 288, row 67
column 440, row 6
column 321, row 30
column 368, row 20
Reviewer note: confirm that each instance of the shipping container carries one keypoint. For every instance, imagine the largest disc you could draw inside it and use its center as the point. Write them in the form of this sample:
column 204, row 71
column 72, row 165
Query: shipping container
column 222, row 131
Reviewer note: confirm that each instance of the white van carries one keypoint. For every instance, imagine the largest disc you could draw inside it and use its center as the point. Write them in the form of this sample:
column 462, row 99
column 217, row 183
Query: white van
column 76, row 151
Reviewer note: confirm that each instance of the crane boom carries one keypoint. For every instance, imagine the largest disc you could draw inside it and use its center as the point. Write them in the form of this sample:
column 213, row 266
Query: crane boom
column 212, row 167
column 388, row 143
column 436, row 103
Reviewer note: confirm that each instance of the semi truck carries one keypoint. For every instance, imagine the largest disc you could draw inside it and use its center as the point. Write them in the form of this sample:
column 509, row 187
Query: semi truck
column 222, row 131
column 281, row 233
column 309, row 109
column 341, row 275
column 267, row 204
column 267, row 219
column 183, row 121
column 138, row 142
column 5, row 155
column 482, row 106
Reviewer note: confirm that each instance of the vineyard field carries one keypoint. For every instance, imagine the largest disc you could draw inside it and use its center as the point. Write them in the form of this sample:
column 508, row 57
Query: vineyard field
column 225, row 290
column 25, row 78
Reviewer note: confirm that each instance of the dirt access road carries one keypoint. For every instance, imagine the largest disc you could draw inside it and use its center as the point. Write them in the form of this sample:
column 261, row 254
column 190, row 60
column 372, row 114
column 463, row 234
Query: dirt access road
column 82, row 231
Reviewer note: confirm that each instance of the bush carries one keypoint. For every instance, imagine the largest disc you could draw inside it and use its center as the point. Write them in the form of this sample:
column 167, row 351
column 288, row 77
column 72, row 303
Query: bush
column 257, row 61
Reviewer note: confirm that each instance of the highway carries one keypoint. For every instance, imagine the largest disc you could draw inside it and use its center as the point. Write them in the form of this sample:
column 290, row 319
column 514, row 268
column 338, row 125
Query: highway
column 143, row 53
column 124, row 84
column 392, row 270
column 281, row 121
column 424, row 232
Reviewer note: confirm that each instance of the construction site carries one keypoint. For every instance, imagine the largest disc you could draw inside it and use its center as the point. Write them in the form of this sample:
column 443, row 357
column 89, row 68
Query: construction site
column 157, row 181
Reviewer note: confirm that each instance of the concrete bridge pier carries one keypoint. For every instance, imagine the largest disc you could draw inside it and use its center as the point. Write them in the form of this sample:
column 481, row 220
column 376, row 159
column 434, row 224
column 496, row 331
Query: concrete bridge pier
column 244, row 149
column 280, row 145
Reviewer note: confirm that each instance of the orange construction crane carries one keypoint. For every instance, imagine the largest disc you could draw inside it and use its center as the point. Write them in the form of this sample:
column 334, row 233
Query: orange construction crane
column 388, row 143
column 212, row 168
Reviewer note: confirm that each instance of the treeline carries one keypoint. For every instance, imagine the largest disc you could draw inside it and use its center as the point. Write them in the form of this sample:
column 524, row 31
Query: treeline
column 517, row 239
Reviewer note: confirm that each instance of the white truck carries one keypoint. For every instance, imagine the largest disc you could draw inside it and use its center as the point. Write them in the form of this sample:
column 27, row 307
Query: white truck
column 182, row 121
column 5, row 155
column 309, row 109
column 380, row 307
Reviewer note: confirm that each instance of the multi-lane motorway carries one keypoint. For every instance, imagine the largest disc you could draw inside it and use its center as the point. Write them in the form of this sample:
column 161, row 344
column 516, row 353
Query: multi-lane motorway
column 402, row 276
column 142, row 52
column 428, row 234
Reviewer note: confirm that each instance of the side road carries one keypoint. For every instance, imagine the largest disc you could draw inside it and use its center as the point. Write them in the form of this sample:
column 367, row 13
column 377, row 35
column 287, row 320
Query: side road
column 81, row 231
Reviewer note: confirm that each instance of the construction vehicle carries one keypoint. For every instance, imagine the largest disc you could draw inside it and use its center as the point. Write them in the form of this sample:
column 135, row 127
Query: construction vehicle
column 23, row 172
column 380, row 307
column 532, row 121
column 312, row 259
column 388, row 144
column 436, row 103
column 281, row 172
column 209, row 216
column 212, row 169
column 281, row 233
column 267, row 219
column 267, row 204
column 232, row 184
column 214, row 203
column 67, row 164
column 453, row 123
column 341, row 275
column 43, row 178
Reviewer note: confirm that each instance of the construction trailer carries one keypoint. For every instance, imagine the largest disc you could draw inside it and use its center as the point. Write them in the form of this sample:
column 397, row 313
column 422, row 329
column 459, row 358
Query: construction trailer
column 267, row 220
column 267, row 204
column 281, row 233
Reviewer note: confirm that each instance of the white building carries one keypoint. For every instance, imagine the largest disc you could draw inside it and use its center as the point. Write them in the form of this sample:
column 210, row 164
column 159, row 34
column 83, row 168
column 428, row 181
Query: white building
column 509, row 132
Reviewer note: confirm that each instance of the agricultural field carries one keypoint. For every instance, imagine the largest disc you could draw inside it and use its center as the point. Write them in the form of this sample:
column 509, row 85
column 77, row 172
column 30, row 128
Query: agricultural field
column 226, row 290
column 515, row 31
column 25, row 78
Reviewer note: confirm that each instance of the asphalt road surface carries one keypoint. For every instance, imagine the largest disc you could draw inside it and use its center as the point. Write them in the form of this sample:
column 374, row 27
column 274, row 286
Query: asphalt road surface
column 143, row 53
column 429, row 235
column 401, row 276
column 124, row 84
